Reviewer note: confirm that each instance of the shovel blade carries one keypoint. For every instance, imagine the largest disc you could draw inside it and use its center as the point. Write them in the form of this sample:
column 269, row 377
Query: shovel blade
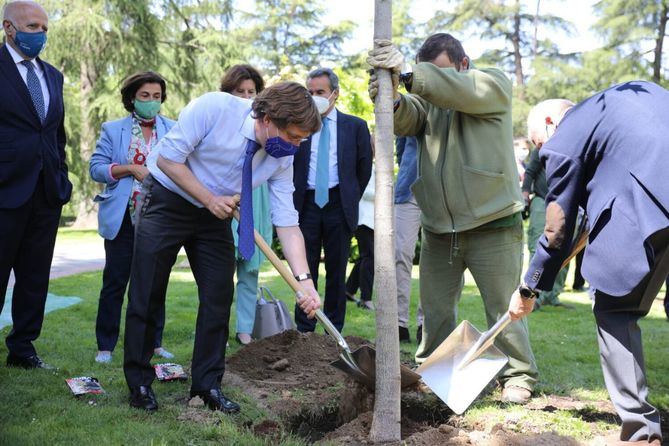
column 459, row 387
column 365, row 357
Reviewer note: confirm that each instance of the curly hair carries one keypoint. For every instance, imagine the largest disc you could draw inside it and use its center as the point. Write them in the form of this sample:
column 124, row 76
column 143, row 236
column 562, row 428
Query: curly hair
column 133, row 83
column 288, row 103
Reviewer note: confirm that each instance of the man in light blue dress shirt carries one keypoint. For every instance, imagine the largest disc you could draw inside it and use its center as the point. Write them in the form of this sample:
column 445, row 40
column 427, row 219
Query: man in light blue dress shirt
column 195, row 171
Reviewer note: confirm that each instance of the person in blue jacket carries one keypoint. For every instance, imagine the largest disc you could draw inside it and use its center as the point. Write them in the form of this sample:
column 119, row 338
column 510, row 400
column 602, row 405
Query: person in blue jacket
column 119, row 162
column 608, row 155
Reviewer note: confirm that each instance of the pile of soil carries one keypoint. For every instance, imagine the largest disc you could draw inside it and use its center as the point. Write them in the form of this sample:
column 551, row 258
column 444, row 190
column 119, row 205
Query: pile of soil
column 291, row 377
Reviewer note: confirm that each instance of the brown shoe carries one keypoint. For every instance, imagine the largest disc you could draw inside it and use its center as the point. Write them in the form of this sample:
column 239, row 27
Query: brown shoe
column 516, row 395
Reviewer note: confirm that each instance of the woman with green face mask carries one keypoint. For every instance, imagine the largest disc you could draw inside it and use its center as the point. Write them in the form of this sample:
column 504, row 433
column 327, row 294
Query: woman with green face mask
column 119, row 163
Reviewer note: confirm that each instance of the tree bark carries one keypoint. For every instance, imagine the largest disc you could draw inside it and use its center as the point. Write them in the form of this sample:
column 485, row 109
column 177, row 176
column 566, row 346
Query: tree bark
column 661, row 32
column 535, row 41
column 386, row 421
column 87, row 213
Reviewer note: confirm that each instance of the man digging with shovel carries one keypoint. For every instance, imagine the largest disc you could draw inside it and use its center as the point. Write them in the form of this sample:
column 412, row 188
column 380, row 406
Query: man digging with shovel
column 468, row 193
column 608, row 155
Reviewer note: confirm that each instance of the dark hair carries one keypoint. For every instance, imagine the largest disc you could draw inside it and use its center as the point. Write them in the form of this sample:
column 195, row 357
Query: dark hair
column 442, row 43
column 287, row 103
column 237, row 74
column 135, row 82
column 332, row 77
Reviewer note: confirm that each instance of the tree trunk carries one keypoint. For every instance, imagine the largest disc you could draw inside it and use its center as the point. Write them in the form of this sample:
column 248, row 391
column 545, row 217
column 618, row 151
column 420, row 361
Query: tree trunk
column 86, row 214
column 517, row 56
column 535, row 42
column 386, row 421
column 661, row 32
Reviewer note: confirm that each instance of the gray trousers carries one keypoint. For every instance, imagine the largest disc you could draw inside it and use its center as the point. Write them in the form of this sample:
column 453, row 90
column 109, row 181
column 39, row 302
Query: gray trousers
column 621, row 351
column 407, row 225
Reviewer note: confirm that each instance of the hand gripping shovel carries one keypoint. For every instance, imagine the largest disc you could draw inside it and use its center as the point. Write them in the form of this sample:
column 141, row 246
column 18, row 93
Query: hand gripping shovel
column 460, row 368
column 360, row 364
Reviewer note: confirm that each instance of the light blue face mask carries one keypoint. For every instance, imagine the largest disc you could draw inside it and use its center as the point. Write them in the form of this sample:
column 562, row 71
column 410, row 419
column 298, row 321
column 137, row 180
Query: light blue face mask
column 30, row 44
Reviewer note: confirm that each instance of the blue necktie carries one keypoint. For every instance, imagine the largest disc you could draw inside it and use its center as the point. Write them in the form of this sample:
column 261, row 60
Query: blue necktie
column 246, row 245
column 35, row 89
column 323, row 166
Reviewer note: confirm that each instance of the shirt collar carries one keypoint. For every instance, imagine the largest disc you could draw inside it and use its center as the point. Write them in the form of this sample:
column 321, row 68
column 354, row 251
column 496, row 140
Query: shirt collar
column 332, row 115
column 248, row 127
column 18, row 58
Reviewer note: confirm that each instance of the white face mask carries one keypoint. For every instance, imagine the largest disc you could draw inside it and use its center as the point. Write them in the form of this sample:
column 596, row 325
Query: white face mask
column 322, row 104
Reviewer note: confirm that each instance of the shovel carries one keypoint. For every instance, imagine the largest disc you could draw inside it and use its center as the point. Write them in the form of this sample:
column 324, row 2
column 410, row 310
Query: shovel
column 463, row 365
column 360, row 364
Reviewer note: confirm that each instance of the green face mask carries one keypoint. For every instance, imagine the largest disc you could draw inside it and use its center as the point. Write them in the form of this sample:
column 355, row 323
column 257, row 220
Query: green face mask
column 147, row 109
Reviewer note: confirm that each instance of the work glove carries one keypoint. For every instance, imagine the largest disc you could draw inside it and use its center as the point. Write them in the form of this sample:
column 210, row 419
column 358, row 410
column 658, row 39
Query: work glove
column 373, row 85
column 385, row 55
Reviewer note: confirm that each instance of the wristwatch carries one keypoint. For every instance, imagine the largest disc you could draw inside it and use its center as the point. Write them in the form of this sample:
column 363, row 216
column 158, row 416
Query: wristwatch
column 526, row 292
column 303, row 276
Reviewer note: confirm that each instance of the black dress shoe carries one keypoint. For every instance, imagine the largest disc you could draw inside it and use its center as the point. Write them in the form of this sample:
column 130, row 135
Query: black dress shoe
column 142, row 397
column 215, row 400
column 31, row 362
column 404, row 334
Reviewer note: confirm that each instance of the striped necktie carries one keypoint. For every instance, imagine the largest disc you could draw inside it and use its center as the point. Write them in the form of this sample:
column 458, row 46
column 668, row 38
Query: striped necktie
column 35, row 90
column 246, row 244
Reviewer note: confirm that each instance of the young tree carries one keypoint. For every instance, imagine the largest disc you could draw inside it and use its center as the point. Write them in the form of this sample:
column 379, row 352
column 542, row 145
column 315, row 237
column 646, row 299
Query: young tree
column 386, row 421
column 635, row 28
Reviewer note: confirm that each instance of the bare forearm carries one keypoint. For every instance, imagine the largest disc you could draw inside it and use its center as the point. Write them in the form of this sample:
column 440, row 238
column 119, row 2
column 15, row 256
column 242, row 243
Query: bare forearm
column 122, row 170
column 184, row 178
column 292, row 243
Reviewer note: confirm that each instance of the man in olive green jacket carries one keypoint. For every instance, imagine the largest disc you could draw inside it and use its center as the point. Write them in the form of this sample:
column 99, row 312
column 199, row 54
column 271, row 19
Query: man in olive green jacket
column 468, row 193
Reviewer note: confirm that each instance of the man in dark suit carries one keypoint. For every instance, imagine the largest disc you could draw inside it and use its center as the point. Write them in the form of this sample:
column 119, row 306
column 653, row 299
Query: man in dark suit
column 33, row 174
column 331, row 170
column 609, row 155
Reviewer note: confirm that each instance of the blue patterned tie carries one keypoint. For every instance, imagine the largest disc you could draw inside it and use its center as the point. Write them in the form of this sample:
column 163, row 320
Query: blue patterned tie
column 246, row 245
column 35, row 89
column 323, row 166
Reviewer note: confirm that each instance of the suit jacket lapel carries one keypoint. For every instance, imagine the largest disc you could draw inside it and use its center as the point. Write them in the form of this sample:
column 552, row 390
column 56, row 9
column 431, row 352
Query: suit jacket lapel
column 8, row 67
column 126, row 129
column 51, row 85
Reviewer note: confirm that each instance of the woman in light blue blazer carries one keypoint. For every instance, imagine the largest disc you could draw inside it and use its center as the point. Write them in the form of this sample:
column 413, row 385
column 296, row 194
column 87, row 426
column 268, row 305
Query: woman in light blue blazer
column 246, row 82
column 119, row 163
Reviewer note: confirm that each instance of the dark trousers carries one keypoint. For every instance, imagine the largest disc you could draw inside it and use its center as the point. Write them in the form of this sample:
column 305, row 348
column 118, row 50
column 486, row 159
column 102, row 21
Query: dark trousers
column 621, row 351
column 666, row 299
column 27, row 238
column 118, row 259
column 166, row 223
column 362, row 274
column 326, row 227
column 579, row 281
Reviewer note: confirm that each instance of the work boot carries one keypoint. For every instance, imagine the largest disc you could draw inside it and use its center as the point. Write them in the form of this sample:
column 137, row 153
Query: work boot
column 516, row 395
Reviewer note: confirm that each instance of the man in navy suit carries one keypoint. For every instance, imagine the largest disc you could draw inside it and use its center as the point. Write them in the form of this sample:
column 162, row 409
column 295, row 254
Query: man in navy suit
column 331, row 170
column 33, row 174
column 609, row 155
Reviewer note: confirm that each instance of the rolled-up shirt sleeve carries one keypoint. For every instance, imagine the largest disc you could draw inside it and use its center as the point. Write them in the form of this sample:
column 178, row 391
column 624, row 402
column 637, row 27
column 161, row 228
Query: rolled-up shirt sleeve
column 194, row 122
column 281, row 190
column 565, row 177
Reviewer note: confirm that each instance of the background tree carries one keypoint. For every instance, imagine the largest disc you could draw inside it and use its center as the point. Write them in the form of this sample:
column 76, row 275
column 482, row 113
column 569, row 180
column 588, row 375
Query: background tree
column 636, row 29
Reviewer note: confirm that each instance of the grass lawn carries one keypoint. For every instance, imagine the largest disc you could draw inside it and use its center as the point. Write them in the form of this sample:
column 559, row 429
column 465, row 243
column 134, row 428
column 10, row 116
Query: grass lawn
column 37, row 407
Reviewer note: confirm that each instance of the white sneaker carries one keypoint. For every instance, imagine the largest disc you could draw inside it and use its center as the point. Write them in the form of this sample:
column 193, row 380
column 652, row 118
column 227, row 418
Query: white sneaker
column 162, row 353
column 103, row 357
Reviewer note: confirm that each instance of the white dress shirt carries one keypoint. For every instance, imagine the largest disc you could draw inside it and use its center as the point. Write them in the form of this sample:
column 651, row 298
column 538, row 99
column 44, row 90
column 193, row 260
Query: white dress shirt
column 210, row 138
column 333, row 178
column 23, row 71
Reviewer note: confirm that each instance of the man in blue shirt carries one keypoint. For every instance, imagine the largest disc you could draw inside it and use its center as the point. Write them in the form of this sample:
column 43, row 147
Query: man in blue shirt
column 608, row 155
column 407, row 225
column 220, row 146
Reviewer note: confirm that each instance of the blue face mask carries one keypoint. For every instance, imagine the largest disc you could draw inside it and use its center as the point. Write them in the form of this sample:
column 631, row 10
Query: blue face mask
column 30, row 44
column 277, row 147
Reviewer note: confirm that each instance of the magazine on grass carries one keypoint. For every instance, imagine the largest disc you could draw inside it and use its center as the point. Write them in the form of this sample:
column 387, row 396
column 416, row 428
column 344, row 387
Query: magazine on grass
column 169, row 371
column 84, row 384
